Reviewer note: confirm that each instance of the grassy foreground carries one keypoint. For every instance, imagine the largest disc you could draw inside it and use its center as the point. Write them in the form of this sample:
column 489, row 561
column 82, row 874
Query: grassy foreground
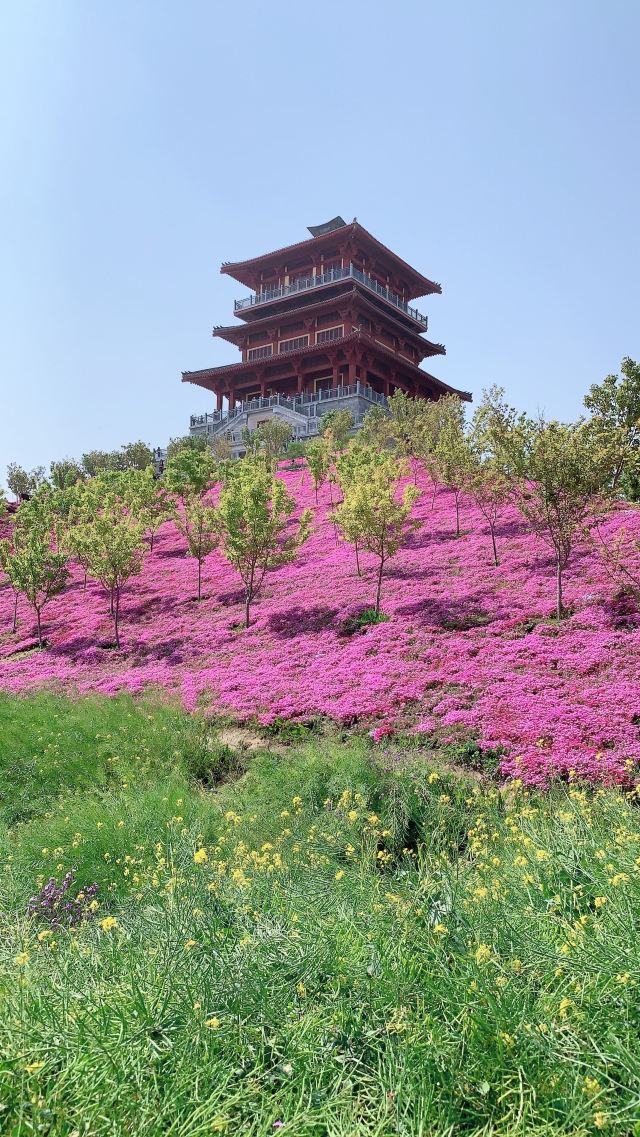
column 328, row 945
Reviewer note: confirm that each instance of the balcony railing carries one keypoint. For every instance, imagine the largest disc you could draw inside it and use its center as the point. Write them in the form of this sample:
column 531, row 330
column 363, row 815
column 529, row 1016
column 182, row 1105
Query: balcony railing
column 305, row 283
column 304, row 404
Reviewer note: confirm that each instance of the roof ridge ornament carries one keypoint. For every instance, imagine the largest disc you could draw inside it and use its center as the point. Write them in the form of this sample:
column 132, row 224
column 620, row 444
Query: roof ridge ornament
column 327, row 227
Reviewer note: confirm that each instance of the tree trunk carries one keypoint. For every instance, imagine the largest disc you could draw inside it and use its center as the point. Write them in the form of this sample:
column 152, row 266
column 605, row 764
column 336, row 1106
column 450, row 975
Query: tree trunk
column 40, row 644
column 247, row 603
column 433, row 496
column 457, row 497
column 379, row 589
column 116, row 617
column 111, row 601
column 357, row 558
column 15, row 611
column 84, row 586
column 199, row 579
column 493, row 542
column 559, row 604
column 151, row 536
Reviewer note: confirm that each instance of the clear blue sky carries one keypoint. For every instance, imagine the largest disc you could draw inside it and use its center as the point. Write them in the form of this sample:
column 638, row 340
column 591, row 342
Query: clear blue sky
column 495, row 146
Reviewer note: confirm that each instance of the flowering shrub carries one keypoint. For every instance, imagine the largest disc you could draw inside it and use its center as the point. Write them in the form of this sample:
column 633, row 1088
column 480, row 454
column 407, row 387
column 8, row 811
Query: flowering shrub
column 468, row 651
column 59, row 907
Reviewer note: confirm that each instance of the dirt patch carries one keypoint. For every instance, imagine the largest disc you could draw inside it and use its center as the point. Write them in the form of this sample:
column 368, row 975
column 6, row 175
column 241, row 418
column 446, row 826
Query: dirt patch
column 245, row 739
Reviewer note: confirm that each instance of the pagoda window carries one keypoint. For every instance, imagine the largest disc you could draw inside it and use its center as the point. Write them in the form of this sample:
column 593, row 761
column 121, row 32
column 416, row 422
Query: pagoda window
column 328, row 334
column 260, row 352
column 293, row 344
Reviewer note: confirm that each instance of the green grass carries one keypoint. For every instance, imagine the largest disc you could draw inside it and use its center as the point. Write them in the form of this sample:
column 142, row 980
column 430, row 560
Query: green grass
column 361, row 951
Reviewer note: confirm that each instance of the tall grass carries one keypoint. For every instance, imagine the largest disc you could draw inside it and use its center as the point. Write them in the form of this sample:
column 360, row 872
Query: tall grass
column 325, row 947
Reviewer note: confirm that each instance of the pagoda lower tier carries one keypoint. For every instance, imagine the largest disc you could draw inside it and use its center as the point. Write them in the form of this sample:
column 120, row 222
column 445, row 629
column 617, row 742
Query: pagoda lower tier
column 310, row 369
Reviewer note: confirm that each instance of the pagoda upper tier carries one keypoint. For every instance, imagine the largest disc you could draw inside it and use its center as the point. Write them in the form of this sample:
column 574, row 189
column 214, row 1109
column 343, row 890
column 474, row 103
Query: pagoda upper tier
column 324, row 313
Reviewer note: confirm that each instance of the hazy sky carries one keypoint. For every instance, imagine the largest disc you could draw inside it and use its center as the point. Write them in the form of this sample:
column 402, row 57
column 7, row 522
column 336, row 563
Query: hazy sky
column 494, row 146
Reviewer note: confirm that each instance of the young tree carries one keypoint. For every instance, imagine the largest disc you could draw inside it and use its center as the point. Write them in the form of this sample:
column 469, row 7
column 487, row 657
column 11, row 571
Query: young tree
column 135, row 456
column 296, row 451
column 34, row 568
column 319, row 457
column 373, row 514
column 453, row 456
column 339, row 424
column 270, row 440
column 24, row 483
column 221, row 448
column 197, row 442
column 562, row 470
column 113, row 550
column 148, row 500
column 200, row 526
column 97, row 461
column 354, row 463
column 615, row 407
column 490, row 489
column 190, row 472
column 254, row 513
column 64, row 474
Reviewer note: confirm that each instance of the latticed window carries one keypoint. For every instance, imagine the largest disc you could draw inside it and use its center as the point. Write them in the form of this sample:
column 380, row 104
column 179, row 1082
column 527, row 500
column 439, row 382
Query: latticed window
column 294, row 344
column 328, row 334
column 260, row 352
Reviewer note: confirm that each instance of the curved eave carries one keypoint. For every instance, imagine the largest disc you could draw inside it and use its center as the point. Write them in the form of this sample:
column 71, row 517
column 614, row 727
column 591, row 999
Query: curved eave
column 245, row 271
column 235, row 333
column 206, row 377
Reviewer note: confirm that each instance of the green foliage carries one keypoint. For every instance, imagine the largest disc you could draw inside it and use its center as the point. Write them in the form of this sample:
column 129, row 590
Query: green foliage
column 200, row 526
column 190, row 472
column 254, row 513
column 64, row 474
column 368, row 616
column 563, row 470
column 337, row 424
column 319, row 455
column 198, row 442
column 131, row 456
column 271, row 440
column 24, row 483
column 371, row 516
column 55, row 747
column 34, row 568
column 148, row 500
column 466, row 954
column 615, row 407
column 452, row 454
column 110, row 547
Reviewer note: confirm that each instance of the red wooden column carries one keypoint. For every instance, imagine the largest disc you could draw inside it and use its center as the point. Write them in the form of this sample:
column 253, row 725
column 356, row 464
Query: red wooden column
column 218, row 400
column 336, row 375
column 300, row 383
column 263, row 389
column 232, row 399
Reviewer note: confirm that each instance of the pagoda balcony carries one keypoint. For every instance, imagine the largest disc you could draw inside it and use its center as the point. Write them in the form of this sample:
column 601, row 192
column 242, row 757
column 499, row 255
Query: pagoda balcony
column 310, row 404
column 308, row 283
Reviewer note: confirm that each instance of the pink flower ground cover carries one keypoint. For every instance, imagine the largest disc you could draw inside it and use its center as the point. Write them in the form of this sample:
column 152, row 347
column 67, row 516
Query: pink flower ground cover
column 469, row 650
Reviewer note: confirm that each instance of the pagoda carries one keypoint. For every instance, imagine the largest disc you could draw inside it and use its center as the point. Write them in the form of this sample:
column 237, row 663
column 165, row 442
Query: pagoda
column 328, row 325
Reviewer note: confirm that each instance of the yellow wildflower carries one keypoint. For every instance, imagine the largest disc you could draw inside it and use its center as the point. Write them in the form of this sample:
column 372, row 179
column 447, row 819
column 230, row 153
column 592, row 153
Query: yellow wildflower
column 108, row 924
column 339, row 874
column 483, row 953
column 213, row 1023
column 201, row 856
column 22, row 958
